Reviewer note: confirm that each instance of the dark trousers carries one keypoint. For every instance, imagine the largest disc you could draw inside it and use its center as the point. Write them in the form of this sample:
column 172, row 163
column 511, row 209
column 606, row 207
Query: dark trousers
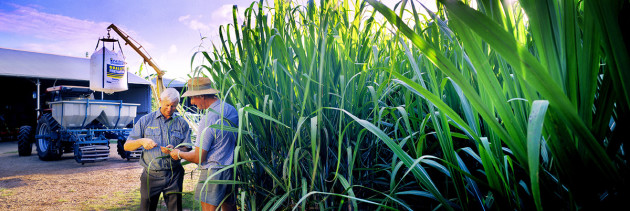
column 168, row 182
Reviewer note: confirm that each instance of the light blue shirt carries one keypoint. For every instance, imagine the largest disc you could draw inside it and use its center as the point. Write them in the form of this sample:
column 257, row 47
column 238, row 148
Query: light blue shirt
column 163, row 131
column 220, row 144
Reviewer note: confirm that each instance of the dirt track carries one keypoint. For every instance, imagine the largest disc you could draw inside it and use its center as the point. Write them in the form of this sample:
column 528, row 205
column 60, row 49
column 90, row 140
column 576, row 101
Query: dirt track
column 27, row 183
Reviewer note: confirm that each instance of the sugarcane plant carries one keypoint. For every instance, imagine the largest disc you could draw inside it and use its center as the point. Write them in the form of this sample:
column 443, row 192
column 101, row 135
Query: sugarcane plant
column 487, row 104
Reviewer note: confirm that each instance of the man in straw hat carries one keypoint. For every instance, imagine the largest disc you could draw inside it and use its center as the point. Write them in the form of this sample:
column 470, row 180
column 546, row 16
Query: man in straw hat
column 216, row 146
column 161, row 174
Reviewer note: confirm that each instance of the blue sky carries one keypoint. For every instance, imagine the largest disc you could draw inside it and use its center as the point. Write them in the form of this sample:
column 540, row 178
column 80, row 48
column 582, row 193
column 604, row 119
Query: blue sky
column 171, row 31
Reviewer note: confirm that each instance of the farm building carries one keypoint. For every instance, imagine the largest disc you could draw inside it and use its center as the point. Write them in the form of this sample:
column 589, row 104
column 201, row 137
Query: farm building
column 22, row 71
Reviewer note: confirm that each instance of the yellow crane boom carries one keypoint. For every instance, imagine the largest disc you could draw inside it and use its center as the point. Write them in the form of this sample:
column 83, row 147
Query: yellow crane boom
column 144, row 54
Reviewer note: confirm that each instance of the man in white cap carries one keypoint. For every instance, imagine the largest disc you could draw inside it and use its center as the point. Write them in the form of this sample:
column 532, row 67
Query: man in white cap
column 161, row 174
column 216, row 146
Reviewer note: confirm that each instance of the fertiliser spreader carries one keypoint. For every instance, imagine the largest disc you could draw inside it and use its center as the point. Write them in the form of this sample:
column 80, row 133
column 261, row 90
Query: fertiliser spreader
column 75, row 122
column 78, row 123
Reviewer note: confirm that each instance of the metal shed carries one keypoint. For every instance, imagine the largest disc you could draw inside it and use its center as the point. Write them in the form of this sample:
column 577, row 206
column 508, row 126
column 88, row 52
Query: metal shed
column 22, row 71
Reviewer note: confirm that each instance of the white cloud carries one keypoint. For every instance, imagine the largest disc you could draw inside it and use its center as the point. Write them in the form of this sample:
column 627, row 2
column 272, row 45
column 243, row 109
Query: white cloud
column 224, row 13
column 172, row 49
column 63, row 35
column 194, row 23
column 31, row 22
column 209, row 26
column 184, row 18
column 198, row 26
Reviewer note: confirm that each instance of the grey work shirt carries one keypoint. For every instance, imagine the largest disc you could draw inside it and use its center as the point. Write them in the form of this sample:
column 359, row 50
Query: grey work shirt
column 219, row 143
column 163, row 131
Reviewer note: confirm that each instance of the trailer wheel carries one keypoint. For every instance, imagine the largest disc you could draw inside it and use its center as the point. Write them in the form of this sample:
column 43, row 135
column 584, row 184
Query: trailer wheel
column 121, row 149
column 47, row 147
column 25, row 142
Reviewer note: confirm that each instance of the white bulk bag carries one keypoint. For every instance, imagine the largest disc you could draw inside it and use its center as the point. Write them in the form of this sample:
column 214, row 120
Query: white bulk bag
column 107, row 71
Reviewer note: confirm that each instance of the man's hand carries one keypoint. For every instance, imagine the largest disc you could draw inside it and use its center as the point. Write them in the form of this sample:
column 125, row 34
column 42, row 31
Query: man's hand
column 167, row 149
column 148, row 143
column 174, row 154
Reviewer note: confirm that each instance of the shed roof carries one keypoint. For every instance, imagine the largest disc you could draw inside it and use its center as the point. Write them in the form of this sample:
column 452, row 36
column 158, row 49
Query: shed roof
column 28, row 64
column 170, row 82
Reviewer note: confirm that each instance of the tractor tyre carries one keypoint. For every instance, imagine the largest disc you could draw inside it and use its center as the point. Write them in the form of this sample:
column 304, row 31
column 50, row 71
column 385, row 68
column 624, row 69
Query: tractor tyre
column 25, row 141
column 48, row 148
column 121, row 149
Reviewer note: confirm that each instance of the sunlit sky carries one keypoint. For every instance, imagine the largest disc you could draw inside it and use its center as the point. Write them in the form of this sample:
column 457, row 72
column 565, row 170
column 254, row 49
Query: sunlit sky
column 170, row 31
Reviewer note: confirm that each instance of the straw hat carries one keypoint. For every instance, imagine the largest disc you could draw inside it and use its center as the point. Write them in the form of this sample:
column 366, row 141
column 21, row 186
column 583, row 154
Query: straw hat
column 199, row 86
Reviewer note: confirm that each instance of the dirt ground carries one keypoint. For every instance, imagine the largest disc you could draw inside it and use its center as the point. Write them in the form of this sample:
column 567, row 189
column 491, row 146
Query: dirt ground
column 27, row 183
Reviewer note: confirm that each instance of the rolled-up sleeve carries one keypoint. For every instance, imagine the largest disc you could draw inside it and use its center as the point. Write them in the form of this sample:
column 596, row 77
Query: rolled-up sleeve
column 137, row 131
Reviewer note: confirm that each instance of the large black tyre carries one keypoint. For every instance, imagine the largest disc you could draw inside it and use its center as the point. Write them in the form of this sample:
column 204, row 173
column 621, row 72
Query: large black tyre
column 48, row 148
column 121, row 149
column 25, row 141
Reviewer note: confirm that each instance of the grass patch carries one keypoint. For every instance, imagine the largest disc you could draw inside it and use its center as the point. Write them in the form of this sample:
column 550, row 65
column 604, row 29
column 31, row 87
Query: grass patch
column 11, row 152
column 120, row 200
column 6, row 192
column 130, row 199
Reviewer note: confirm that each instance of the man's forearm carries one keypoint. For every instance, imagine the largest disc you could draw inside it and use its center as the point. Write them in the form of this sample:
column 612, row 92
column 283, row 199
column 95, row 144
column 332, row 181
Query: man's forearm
column 192, row 156
column 132, row 145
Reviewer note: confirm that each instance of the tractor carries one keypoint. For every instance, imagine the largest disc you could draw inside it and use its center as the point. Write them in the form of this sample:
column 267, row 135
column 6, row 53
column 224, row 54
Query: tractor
column 75, row 122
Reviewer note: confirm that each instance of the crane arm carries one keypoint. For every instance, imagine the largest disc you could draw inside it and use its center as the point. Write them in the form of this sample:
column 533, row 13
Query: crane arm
column 144, row 54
